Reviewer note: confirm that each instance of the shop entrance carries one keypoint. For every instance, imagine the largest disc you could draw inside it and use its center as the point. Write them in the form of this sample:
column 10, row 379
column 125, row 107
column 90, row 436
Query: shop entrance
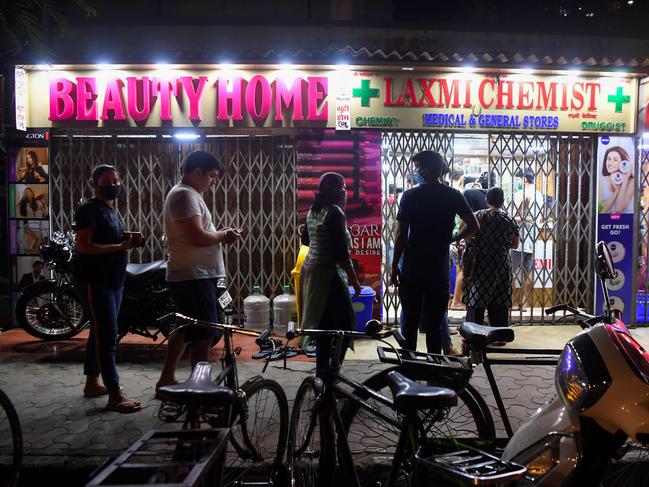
column 257, row 193
column 548, row 184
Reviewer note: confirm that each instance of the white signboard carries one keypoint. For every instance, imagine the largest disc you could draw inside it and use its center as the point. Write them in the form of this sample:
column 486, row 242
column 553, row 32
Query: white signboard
column 21, row 89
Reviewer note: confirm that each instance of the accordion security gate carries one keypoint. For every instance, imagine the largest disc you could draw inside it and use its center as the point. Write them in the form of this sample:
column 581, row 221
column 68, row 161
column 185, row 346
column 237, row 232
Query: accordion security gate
column 257, row 193
column 561, row 224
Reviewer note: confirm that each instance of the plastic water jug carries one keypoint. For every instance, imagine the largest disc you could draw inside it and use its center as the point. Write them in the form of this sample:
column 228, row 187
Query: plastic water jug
column 256, row 309
column 284, row 306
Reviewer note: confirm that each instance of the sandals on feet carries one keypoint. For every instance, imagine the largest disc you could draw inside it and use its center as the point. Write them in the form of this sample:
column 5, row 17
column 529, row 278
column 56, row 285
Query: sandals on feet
column 96, row 393
column 124, row 407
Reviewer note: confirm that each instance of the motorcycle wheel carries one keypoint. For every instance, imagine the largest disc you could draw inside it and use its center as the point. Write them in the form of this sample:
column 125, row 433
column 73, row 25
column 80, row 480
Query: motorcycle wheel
column 49, row 313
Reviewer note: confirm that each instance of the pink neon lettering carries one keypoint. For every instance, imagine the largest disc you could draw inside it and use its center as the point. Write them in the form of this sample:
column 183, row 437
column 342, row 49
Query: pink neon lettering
column 114, row 101
column 258, row 89
column 224, row 95
column 318, row 90
column 139, row 93
column 287, row 96
column 62, row 92
column 165, row 88
column 86, row 92
column 194, row 95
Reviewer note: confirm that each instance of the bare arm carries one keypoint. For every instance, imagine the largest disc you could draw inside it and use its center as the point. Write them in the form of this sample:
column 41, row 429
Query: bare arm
column 515, row 241
column 192, row 227
column 608, row 205
column 625, row 195
column 470, row 227
column 85, row 245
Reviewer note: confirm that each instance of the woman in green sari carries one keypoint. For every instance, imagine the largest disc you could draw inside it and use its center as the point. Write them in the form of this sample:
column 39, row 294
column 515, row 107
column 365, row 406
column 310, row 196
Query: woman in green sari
column 327, row 268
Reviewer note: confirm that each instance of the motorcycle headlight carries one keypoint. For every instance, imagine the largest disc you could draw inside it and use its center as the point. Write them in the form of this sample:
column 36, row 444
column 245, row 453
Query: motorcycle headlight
column 581, row 376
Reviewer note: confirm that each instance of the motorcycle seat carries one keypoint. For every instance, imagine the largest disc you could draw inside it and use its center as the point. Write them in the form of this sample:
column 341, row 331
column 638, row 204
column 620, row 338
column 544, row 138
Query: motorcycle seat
column 134, row 270
column 479, row 336
column 198, row 390
column 410, row 396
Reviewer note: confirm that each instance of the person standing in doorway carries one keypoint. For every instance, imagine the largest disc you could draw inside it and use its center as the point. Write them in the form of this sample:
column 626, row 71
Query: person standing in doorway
column 424, row 229
column 488, row 284
column 529, row 207
column 99, row 279
column 195, row 259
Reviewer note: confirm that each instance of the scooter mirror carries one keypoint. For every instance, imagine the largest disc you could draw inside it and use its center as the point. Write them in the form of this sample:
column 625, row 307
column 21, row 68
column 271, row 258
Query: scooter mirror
column 605, row 267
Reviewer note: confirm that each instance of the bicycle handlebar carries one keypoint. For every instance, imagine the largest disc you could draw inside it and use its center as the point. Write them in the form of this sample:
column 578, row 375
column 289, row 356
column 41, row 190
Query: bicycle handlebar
column 186, row 322
column 566, row 307
column 293, row 332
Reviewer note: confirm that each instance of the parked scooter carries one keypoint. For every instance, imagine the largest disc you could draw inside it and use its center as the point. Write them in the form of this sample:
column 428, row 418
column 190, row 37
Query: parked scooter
column 602, row 381
column 51, row 309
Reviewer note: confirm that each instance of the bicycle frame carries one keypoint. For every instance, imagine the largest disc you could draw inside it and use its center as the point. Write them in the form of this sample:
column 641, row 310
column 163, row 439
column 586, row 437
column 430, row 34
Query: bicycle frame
column 481, row 357
column 326, row 408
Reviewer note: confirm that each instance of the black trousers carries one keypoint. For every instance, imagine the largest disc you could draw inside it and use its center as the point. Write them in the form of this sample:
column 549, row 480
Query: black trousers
column 424, row 305
column 498, row 315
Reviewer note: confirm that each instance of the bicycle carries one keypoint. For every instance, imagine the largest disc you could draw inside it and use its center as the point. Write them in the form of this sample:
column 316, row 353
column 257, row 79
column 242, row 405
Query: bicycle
column 11, row 443
column 255, row 412
column 319, row 429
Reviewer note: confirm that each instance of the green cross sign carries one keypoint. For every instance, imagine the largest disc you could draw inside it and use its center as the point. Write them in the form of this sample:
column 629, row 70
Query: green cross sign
column 619, row 99
column 365, row 93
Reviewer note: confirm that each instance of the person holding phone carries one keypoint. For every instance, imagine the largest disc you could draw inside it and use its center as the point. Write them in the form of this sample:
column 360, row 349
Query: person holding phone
column 195, row 263
column 99, row 279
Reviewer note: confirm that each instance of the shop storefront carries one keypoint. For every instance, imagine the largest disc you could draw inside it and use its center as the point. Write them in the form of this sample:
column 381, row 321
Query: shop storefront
column 277, row 129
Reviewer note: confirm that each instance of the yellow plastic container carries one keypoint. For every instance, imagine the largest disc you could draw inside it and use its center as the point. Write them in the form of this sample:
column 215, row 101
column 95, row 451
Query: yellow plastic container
column 296, row 276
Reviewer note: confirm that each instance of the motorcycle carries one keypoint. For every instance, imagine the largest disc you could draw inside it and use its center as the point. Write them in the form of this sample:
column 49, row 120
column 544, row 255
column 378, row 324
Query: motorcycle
column 601, row 409
column 51, row 309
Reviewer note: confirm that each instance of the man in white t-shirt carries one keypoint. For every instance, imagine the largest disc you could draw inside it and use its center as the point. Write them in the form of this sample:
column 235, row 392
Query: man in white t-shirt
column 195, row 259
column 529, row 206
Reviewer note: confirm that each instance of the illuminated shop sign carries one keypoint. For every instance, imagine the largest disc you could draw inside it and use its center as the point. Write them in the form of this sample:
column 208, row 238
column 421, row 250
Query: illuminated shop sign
column 240, row 99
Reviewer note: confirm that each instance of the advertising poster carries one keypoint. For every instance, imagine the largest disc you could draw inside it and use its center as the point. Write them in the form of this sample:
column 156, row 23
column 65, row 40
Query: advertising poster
column 616, row 176
column 28, row 165
column 357, row 156
column 28, row 235
column 29, row 201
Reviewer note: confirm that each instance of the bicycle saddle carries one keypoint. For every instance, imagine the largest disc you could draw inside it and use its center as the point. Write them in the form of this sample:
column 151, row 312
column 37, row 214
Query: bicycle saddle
column 198, row 390
column 409, row 396
column 480, row 336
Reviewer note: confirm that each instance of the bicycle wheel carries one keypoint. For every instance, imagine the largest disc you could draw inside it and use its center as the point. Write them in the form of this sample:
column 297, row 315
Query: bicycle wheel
column 308, row 450
column 373, row 440
column 11, row 443
column 259, row 431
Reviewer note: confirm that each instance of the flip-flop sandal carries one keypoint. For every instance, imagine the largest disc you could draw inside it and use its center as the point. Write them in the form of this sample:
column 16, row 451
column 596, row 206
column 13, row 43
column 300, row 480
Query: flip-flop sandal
column 262, row 353
column 125, row 407
column 279, row 354
column 99, row 394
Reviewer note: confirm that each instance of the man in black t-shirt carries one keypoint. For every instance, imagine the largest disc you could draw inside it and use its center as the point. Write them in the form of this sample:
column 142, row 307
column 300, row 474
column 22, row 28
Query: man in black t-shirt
column 425, row 225
column 477, row 197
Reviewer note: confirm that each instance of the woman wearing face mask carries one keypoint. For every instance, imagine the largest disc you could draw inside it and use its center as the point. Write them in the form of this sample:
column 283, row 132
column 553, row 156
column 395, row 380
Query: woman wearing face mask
column 99, row 279
column 324, row 295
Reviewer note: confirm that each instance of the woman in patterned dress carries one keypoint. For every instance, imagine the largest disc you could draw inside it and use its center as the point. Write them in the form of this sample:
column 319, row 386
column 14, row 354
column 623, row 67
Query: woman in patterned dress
column 327, row 268
column 488, row 281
